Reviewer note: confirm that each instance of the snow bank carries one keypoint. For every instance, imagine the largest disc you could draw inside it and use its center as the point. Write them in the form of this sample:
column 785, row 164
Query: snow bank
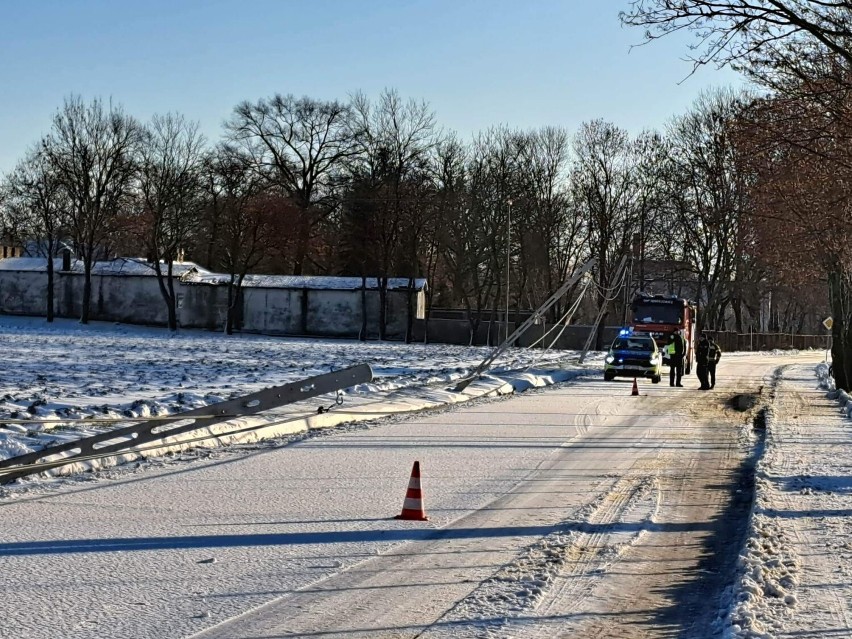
column 768, row 567
column 801, row 493
column 841, row 396
column 261, row 427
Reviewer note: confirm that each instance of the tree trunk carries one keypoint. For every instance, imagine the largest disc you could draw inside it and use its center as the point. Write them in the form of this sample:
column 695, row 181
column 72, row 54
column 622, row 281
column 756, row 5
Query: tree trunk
column 87, row 289
column 737, row 306
column 303, row 239
column 409, row 316
column 846, row 357
column 50, row 287
column 363, row 335
column 171, row 298
column 383, row 295
column 841, row 331
column 472, row 324
column 494, row 316
column 599, row 334
column 167, row 290
column 171, row 303
column 493, row 324
column 229, row 315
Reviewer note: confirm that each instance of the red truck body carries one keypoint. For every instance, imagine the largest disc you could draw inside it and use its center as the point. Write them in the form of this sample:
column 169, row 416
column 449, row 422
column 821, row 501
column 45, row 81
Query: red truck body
column 661, row 316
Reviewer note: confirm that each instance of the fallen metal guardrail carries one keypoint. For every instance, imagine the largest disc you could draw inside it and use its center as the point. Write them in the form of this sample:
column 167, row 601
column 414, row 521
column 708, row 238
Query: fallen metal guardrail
column 130, row 437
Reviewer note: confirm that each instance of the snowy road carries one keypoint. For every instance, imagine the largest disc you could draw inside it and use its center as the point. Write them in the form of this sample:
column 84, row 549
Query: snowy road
column 573, row 511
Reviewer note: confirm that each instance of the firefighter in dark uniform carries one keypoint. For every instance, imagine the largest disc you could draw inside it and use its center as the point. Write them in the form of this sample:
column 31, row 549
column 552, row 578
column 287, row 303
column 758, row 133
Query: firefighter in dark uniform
column 707, row 355
column 714, row 354
column 677, row 351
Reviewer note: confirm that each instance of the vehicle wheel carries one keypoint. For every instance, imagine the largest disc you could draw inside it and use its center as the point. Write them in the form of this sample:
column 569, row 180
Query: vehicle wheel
column 656, row 379
column 609, row 376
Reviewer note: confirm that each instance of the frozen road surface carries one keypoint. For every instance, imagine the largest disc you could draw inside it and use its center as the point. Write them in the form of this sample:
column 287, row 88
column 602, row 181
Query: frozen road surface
column 575, row 511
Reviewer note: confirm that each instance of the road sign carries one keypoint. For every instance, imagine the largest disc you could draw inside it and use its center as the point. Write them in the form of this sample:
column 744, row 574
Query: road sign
column 828, row 322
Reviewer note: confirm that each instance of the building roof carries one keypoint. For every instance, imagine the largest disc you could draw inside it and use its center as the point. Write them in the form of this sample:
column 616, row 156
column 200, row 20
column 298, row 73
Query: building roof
column 122, row 266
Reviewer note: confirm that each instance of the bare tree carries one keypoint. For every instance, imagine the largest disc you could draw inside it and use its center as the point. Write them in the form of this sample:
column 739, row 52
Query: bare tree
column 802, row 205
column 800, row 49
column 394, row 143
column 710, row 197
column 463, row 246
column 450, row 201
column 170, row 196
column 604, row 187
column 748, row 33
column 356, row 240
column 245, row 222
column 37, row 205
column 550, row 231
column 299, row 145
column 91, row 149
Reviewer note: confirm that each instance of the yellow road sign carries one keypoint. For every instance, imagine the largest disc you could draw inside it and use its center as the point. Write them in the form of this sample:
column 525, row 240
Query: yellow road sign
column 828, row 322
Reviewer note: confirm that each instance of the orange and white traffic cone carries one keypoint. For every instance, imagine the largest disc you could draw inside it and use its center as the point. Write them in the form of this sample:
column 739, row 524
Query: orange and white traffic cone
column 412, row 507
column 635, row 390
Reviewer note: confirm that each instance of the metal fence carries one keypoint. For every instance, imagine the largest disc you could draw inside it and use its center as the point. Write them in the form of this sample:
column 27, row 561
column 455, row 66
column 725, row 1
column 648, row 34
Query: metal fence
column 457, row 331
column 732, row 341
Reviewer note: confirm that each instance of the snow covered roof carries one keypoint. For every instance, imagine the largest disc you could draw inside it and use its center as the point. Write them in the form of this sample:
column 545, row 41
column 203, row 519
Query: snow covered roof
column 312, row 282
column 120, row 266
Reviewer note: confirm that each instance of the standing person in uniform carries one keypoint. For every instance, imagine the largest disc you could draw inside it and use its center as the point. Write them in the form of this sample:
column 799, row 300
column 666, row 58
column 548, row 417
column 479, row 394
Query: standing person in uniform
column 714, row 354
column 702, row 359
column 677, row 351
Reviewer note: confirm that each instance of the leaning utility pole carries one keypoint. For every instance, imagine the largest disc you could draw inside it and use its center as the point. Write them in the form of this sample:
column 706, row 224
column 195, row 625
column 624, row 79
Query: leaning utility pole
column 618, row 275
column 538, row 313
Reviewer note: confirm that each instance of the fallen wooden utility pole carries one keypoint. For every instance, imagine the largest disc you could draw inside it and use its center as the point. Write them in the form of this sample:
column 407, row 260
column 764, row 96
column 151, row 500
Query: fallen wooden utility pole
column 127, row 438
column 538, row 313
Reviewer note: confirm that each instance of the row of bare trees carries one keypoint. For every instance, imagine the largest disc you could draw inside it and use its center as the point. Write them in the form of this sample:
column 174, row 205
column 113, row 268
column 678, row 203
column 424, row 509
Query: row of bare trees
column 793, row 139
column 376, row 189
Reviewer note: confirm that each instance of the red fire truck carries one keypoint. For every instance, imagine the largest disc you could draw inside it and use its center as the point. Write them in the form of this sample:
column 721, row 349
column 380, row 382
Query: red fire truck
column 661, row 316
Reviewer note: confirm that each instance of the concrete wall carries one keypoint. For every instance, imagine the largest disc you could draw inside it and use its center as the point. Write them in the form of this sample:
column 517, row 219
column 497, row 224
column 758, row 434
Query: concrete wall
column 272, row 311
column 137, row 300
column 134, row 300
column 202, row 306
column 23, row 294
column 338, row 314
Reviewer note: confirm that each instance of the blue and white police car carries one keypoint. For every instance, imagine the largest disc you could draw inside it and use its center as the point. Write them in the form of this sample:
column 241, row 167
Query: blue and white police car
column 633, row 355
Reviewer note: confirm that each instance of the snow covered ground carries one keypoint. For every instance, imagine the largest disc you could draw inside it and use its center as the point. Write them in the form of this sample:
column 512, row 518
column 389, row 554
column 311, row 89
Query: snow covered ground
column 797, row 565
column 109, row 371
column 548, row 511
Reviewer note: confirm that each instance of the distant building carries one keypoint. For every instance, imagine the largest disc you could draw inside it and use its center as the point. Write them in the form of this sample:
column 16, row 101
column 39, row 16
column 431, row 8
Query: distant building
column 9, row 248
column 666, row 277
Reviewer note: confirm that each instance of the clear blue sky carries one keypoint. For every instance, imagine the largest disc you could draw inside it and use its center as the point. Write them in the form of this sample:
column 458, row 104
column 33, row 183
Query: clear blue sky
column 477, row 62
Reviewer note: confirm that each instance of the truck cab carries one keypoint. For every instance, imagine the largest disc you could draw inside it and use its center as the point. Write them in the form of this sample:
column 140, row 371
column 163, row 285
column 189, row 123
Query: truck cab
column 661, row 316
